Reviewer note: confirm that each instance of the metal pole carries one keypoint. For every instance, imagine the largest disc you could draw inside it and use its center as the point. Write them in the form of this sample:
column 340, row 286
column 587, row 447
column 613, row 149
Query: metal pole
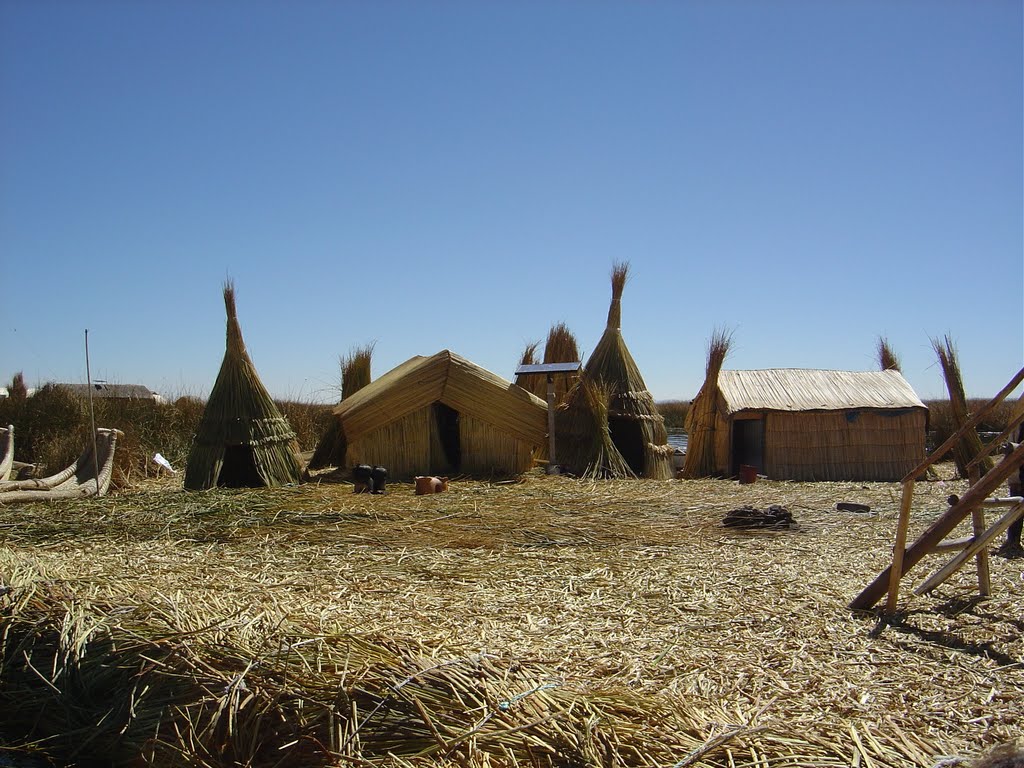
column 92, row 417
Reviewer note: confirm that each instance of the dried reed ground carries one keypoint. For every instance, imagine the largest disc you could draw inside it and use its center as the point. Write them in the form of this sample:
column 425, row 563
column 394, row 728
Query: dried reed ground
column 616, row 587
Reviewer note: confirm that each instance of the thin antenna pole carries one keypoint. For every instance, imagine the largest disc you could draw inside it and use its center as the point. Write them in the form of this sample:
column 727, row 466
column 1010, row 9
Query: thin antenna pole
column 92, row 417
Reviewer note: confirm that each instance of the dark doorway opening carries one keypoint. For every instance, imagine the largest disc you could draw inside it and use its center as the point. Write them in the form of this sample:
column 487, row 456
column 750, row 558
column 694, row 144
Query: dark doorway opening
column 447, row 421
column 628, row 436
column 239, row 468
column 748, row 444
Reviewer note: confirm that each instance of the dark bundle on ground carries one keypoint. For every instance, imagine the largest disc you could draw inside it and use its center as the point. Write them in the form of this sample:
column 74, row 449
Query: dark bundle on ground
column 700, row 417
column 887, row 359
column 969, row 444
column 242, row 439
column 636, row 427
column 774, row 516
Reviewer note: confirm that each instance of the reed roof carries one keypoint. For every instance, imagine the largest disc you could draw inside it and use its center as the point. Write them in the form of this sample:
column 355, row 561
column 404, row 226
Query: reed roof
column 449, row 379
column 798, row 389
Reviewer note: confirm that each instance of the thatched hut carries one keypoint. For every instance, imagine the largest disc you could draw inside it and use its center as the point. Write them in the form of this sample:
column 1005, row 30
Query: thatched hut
column 439, row 415
column 634, row 424
column 794, row 424
column 242, row 439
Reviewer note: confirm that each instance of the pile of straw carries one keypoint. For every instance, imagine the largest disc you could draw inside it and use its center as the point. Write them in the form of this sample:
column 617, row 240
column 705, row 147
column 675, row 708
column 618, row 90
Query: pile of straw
column 240, row 414
column 547, row 622
column 585, row 447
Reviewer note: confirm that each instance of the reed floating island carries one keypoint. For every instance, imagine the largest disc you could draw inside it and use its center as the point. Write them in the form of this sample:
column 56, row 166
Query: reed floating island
column 550, row 622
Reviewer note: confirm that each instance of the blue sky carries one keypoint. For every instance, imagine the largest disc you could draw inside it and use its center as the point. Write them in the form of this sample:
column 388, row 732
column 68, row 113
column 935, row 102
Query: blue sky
column 429, row 175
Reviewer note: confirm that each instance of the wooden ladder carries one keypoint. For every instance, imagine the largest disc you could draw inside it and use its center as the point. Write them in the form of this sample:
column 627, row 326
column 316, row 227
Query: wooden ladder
column 973, row 503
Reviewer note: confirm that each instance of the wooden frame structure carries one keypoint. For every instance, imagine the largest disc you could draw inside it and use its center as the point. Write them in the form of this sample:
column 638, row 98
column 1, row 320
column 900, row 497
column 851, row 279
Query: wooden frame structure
column 973, row 503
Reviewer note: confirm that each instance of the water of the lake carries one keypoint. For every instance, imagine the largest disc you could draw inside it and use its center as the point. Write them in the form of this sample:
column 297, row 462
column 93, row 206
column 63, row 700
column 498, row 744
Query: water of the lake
column 677, row 437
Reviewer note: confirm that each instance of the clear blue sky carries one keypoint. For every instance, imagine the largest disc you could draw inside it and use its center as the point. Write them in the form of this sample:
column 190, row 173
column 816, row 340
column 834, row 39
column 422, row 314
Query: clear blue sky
column 429, row 175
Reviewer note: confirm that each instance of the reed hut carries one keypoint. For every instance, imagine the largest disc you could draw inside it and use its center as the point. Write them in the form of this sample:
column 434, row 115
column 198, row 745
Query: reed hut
column 795, row 424
column 242, row 439
column 634, row 424
column 439, row 415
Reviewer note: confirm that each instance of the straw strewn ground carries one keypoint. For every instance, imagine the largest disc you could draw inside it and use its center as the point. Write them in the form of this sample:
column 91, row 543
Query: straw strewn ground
column 697, row 644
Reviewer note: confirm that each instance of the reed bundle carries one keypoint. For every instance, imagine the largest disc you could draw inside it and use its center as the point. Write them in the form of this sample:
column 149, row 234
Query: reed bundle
column 241, row 414
column 887, row 358
column 701, row 418
column 536, row 383
column 969, row 445
column 355, row 370
column 618, row 623
column 585, row 446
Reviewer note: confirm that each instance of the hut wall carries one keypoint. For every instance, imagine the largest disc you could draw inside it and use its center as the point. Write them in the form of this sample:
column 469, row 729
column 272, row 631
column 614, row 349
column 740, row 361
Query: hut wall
column 864, row 444
column 489, row 451
column 405, row 446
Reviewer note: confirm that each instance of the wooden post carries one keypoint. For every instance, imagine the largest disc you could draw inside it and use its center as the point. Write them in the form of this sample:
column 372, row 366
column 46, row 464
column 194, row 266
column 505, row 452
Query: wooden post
column 552, row 463
column 900, row 547
column 939, row 529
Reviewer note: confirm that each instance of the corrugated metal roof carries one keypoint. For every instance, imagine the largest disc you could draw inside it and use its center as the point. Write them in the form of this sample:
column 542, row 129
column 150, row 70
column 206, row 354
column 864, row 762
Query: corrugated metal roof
column 797, row 389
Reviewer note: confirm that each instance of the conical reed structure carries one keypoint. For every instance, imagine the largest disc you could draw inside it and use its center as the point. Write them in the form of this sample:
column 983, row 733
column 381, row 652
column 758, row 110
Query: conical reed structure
column 242, row 439
column 636, row 427
column 969, row 444
column 700, row 418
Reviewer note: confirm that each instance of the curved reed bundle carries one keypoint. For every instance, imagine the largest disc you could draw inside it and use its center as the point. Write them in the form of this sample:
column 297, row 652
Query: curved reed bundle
column 700, row 418
column 969, row 446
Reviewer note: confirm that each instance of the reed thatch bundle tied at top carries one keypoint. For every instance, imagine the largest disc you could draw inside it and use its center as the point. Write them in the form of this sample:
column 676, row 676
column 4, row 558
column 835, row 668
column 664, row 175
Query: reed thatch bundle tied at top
column 700, row 418
column 635, row 426
column 242, row 439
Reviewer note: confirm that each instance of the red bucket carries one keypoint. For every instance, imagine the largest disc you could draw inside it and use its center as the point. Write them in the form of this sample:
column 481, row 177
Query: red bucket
column 748, row 474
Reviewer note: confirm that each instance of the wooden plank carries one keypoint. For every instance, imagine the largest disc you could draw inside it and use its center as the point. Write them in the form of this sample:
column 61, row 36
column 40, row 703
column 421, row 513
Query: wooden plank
column 979, row 544
column 1017, row 415
column 940, row 529
column 899, row 548
column 948, row 544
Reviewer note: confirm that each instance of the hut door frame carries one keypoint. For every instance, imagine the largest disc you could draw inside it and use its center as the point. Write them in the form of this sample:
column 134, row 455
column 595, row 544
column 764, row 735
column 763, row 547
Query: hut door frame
column 748, row 443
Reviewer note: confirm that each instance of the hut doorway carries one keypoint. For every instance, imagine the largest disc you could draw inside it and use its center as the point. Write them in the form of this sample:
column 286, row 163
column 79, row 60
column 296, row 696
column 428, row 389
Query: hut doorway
column 747, row 444
column 446, row 422
column 239, row 468
column 628, row 436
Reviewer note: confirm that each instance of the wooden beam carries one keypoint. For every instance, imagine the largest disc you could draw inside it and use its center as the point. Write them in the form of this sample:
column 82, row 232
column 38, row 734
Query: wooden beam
column 899, row 548
column 979, row 544
column 941, row 528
